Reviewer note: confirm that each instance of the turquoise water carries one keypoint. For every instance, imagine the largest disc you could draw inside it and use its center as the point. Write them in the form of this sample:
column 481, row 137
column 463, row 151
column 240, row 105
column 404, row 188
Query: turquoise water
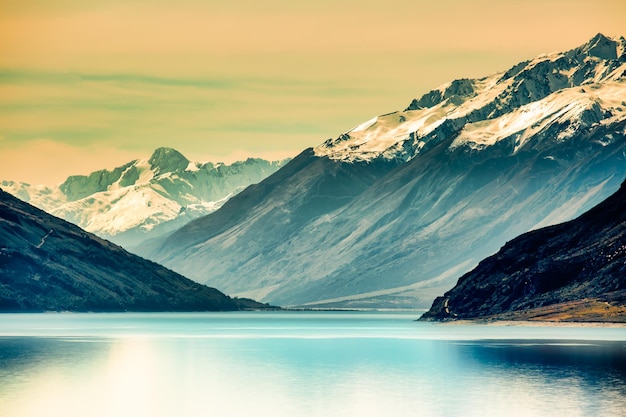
column 304, row 364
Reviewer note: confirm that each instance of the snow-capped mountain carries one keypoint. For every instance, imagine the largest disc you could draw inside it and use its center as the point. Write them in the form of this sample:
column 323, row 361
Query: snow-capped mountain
column 513, row 105
column 391, row 212
column 144, row 198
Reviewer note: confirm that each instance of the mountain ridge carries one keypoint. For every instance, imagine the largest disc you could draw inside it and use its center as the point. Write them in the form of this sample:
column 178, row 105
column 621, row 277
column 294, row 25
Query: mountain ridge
column 144, row 198
column 436, row 189
column 462, row 101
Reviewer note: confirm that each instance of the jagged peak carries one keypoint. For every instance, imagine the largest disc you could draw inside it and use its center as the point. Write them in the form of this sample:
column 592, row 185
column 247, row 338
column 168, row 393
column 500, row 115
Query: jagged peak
column 603, row 47
column 401, row 135
column 455, row 91
column 167, row 160
column 599, row 46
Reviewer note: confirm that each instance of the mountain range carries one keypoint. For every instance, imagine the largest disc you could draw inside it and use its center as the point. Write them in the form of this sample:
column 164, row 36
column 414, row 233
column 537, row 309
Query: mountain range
column 144, row 198
column 574, row 271
column 48, row 264
column 391, row 212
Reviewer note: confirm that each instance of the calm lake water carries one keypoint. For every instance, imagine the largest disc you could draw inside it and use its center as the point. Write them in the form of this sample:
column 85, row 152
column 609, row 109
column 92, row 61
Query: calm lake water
column 304, row 364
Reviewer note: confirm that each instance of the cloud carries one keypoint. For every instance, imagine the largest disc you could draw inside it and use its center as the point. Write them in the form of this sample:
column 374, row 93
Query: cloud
column 133, row 109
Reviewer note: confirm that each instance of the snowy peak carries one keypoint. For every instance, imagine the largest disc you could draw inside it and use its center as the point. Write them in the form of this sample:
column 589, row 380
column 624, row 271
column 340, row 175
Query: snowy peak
column 81, row 186
column 603, row 47
column 165, row 160
column 455, row 92
column 445, row 111
column 145, row 197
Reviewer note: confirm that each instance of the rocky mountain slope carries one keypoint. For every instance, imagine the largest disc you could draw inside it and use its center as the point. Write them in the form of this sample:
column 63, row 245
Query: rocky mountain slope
column 48, row 264
column 391, row 212
column 144, row 198
column 571, row 271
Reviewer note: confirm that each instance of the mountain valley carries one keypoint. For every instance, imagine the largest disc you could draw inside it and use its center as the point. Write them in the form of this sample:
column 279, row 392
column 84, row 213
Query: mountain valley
column 390, row 213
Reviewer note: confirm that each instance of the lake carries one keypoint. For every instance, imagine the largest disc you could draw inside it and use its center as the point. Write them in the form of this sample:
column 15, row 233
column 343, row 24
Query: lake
column 301, row 364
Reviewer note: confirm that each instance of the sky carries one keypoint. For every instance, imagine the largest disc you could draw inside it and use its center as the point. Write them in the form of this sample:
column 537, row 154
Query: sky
column 88, row 85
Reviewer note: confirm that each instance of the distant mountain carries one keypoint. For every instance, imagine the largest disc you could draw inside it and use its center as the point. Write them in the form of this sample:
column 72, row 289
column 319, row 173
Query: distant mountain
column 48, row 264
column 572, row 271
column 391, row 212
column 144, row 198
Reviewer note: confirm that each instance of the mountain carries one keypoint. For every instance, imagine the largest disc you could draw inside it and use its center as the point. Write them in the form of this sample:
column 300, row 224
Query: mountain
column 571, row 271
column 48, row 264
column 389, row 213
column 144, row 198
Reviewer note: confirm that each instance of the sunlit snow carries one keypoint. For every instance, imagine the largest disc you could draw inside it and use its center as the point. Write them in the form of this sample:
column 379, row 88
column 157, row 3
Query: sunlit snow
column 384, row 136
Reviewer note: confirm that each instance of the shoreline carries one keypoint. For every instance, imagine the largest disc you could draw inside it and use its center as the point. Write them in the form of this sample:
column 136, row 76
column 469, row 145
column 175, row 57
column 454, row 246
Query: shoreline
column 531, row 323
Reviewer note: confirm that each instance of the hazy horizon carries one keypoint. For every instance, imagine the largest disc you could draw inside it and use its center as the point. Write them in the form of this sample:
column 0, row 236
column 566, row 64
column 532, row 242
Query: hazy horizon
column 87, row 86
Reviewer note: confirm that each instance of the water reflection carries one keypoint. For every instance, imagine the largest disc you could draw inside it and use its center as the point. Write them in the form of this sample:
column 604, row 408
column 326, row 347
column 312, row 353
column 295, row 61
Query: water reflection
column 575, row 378
column 590, row 355
column 188, row 368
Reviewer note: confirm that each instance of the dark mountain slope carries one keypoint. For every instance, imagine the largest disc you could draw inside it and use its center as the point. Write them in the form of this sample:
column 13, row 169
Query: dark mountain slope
column 570, row 271
column 48, row 264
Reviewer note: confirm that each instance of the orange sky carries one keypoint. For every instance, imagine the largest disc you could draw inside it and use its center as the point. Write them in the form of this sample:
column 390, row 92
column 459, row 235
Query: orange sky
column 86, row 85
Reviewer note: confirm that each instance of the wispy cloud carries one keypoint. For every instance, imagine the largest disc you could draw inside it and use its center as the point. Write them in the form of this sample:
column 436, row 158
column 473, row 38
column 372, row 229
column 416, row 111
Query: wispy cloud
column 29, row 76
column 196, row 102
column 204, row 117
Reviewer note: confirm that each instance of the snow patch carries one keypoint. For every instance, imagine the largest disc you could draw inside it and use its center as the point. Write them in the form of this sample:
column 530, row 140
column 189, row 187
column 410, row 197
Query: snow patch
column 193, row 167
